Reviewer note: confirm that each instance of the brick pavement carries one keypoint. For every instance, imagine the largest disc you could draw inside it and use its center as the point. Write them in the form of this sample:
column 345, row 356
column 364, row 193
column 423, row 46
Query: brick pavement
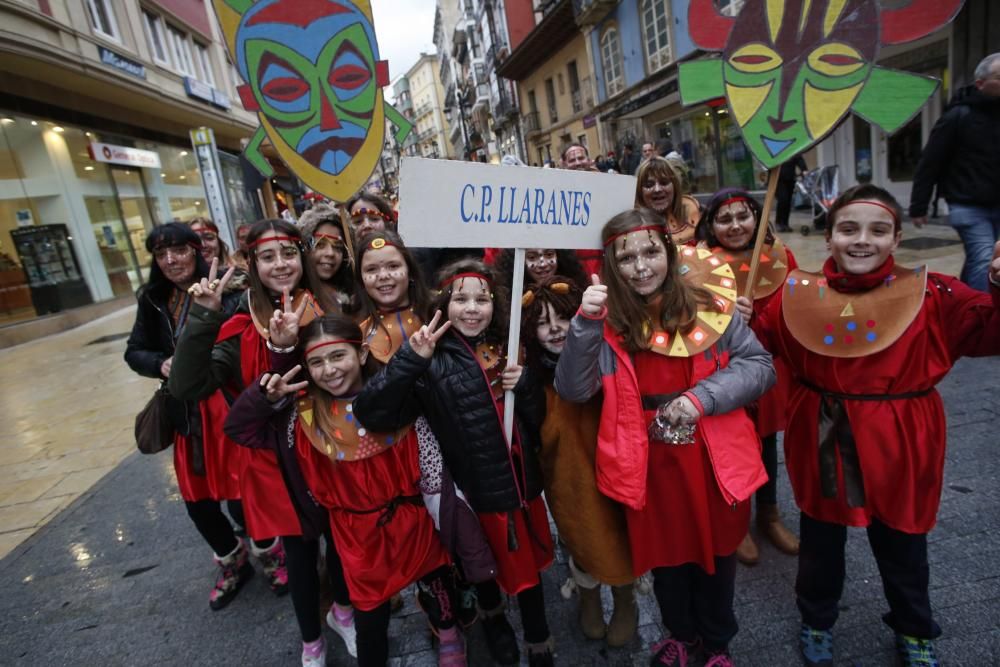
column 121, row 578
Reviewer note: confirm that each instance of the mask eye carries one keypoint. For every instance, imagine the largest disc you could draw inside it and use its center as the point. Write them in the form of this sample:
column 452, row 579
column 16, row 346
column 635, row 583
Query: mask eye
column 836, row 59
column 349, row 74
column 755, row 58
column 282, row 86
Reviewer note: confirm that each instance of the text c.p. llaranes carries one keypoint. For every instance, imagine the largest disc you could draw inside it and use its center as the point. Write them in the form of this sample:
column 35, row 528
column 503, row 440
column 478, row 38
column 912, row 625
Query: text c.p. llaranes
column 531, row 206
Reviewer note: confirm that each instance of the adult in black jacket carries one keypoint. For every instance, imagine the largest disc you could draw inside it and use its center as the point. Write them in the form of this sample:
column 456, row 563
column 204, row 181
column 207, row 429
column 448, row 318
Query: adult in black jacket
column 161, row 314
column 963, row 159
column 454, row 382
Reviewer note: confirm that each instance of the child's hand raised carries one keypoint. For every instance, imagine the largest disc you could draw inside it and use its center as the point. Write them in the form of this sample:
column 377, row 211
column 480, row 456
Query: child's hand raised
column 426, row 337
column 278, row 386
column 510, row 376
column 595, row 297
column 208, row 291
column 283, row 329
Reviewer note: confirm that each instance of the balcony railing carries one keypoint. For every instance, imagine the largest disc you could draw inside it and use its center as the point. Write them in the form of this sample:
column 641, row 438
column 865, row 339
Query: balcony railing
column 531, row 122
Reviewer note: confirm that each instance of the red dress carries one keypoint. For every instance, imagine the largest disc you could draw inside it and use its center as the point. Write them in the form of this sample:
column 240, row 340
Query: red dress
column 221, row 478
column 685, row 519
column 379, row 560
column 900, row 443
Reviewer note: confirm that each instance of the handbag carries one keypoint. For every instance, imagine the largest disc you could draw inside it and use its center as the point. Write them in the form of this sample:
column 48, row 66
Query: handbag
column 154, row 429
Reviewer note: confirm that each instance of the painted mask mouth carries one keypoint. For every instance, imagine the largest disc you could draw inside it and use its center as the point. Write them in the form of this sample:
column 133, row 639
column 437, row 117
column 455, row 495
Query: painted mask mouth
column 316, row 154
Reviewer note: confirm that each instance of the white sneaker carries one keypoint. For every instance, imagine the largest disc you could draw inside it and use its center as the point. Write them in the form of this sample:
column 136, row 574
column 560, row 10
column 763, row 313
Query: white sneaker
column 346, row 632
column 315, row 661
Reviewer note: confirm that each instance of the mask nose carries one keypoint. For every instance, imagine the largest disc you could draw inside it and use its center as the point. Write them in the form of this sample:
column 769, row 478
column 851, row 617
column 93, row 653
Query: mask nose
column 328, row 117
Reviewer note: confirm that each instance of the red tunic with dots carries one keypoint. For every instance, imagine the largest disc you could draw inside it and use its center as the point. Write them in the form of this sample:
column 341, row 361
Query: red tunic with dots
column 900, row 442
column 384, row 534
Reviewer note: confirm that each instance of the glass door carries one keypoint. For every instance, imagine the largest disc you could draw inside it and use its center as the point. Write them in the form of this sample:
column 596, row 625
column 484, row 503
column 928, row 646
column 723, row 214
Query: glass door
column 120, row 224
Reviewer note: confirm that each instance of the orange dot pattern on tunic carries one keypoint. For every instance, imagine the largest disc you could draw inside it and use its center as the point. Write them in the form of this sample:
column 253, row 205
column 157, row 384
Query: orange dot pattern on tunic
column 349, row 440
column 386, row 332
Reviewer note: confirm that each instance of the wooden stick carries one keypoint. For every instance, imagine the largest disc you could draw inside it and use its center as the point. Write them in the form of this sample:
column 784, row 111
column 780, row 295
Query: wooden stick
column 765, row 221
column 513, row 340
column 345, row 221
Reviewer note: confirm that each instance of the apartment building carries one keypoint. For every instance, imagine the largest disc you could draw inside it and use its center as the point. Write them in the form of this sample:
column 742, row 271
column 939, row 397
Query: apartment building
column 97, row 99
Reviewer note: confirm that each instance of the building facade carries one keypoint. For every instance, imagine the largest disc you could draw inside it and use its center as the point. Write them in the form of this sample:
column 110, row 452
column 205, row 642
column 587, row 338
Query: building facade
column 427, row 102
column 97, row 99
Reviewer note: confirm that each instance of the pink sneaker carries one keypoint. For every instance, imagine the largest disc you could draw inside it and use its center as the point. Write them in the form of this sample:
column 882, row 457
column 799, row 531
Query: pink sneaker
column 272, row 559
column 670, row 653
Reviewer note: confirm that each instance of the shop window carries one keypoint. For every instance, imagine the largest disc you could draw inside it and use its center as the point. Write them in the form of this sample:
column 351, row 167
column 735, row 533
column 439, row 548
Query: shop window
column 611, row 60
column 656, row 33
column 157, row 39
column 179, row 166
column 205, row 62
column 102, row 18
column 181, row 50
column 186, row 208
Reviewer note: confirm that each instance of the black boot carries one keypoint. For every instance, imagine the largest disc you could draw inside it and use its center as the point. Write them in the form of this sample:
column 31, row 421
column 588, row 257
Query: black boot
column 500, row 637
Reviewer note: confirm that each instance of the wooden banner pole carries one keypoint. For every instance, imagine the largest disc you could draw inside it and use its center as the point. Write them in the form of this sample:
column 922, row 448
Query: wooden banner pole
column 765, row 221
column 513, row 340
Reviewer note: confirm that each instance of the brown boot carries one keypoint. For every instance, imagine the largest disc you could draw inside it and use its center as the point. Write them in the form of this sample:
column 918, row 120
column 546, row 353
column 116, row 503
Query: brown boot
column 591, row 614
column 625, row 617
column 769, row 523
column 747, row 552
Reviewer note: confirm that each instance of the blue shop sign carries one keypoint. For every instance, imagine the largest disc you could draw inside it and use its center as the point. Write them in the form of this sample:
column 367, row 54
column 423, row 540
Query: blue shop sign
column 202, row 91
column 109, row 57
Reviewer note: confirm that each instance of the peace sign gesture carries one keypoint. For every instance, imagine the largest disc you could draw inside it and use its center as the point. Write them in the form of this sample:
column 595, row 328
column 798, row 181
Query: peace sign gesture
column 208, row 291
column 283, row 331
column 278, row 386
column 426, row 337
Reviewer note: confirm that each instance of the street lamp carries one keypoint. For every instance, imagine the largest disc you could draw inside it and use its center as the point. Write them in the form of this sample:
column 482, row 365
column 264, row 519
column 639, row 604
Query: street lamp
column 460, row 99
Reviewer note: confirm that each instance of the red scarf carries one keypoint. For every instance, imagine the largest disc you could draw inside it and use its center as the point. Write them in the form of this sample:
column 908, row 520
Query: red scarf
column 850, row 282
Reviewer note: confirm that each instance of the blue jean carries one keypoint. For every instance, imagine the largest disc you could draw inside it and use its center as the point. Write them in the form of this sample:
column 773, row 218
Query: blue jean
column 979, row 229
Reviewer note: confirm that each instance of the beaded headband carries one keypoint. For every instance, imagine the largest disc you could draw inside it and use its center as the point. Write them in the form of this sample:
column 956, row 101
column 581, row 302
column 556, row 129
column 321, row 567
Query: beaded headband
column 379, row 243
column 362, row 212
column 457, row 276
column 317, row 346
column 612, row 239
column 733, row 200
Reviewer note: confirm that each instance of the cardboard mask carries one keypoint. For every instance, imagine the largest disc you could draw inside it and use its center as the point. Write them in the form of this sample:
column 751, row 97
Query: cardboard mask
column 313, row 76
column 791, row 70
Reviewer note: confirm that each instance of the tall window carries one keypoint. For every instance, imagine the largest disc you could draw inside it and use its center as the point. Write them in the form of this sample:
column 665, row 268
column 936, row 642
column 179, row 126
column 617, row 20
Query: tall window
column 574, row 86
column 656, row 33
column 612, row 62
column 550, row 92
column 205, row 63
column 102, row 17
column 157, row 40
column 181, row 51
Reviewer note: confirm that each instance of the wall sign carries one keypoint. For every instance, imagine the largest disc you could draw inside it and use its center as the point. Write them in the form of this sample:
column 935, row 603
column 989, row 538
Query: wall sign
column 127, row 65
column 205, row 151
column 125, row 155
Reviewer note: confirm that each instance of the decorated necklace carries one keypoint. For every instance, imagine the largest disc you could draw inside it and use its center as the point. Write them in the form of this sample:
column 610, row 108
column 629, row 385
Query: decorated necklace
column 348, row 439
column 387, row 331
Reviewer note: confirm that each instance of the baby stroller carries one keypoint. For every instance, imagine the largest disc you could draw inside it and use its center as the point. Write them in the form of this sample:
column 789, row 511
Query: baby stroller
column 818, row 188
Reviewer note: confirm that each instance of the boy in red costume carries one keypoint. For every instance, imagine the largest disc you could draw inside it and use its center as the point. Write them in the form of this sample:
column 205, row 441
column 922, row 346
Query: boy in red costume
column 867, row 341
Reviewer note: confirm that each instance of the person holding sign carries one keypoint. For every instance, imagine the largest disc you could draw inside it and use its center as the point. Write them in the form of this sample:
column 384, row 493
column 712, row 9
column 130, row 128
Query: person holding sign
column 369, row 482
column 658, row 187
column 730, row 225
column 867, row 340
column 455, row 375
column 591, row 525
column 676, row 365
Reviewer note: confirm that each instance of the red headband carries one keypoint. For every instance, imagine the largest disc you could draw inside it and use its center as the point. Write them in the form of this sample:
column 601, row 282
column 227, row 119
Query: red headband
column 379, row 243
column 644, row 228
column 331, row 342
column 895, row 216
column 457, row 276
column 361, row 212
column 732, row 200
column 265, row 239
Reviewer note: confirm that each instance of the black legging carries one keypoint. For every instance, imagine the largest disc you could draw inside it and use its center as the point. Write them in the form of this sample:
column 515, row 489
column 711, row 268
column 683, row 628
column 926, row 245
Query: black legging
column 768, row 494
column 213, row 524
column 304, row 585
column 530, row 601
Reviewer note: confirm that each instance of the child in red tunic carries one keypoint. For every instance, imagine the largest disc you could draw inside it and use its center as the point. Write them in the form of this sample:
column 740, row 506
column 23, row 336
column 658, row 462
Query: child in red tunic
column 867, row 340
column 455, row 375
column 676, row 364
column 368, row 481
column 729, row 229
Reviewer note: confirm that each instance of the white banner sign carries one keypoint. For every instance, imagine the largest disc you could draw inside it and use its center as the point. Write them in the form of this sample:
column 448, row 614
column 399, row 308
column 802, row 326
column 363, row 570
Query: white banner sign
column 126, row 155
column 451, row 204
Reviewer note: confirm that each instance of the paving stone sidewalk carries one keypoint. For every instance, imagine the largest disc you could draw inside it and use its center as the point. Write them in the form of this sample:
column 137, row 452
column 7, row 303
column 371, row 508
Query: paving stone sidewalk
column 120, row 577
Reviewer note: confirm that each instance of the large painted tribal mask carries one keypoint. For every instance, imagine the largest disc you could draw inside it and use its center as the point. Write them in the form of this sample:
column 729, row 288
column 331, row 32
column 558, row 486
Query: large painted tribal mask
column 791, row 70
column 313, row 76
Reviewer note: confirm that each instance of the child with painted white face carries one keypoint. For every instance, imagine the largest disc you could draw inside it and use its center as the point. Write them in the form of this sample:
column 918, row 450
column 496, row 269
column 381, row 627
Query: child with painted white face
column 540, row 264
column 675, row 367
column 591, row 525
column 368, row 482
column 454, row 371
column 867, row 341
column 729, row 230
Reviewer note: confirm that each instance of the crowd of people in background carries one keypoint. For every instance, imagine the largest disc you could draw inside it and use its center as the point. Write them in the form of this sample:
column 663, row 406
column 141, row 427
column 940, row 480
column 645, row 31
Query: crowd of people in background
column 338, row 401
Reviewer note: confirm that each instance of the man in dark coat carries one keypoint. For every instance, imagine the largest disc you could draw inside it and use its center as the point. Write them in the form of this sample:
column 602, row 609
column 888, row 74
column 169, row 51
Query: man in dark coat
column 962, row 157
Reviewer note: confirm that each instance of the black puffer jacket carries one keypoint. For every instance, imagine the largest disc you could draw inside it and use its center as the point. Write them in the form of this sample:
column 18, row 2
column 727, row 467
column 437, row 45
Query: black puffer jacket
column 961, row 155
column 450, row 390
column 152, row 342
